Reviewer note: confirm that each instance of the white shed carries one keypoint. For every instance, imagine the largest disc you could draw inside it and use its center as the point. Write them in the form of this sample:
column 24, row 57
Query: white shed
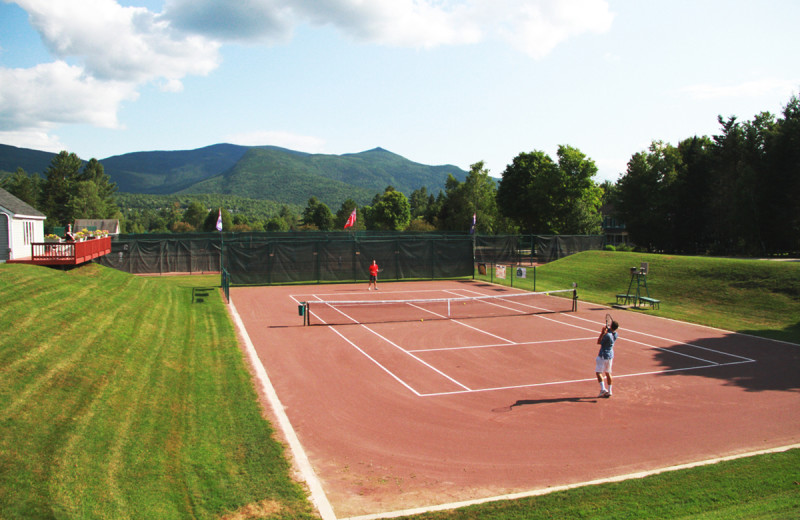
column 20, row 225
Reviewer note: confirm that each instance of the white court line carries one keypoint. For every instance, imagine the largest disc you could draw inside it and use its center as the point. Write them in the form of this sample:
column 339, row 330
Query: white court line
column 398, row 347
column 568, row 381
column 497, row 345
column 417, row 358
column 396, row 377
column 459, row 292
column 318, row 497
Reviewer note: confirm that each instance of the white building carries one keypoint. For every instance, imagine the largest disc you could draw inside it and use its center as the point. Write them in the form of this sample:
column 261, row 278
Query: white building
column 20, row 225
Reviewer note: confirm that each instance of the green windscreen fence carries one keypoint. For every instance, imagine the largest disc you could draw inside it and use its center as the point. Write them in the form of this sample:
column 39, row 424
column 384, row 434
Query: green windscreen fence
column 282, row 258
column 281, row 261
column 308, row 257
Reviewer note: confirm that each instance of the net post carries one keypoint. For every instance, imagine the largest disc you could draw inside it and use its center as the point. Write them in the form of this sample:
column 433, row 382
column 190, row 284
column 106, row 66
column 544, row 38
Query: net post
column 302, row 309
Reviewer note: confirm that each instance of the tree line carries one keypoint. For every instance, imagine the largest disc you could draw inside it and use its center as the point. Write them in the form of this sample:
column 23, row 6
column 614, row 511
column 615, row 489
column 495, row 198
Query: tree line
column 737, row 192
column 733, row 193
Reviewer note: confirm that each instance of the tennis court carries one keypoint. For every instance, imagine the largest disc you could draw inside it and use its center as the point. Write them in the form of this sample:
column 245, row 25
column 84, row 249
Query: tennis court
column 415, row 404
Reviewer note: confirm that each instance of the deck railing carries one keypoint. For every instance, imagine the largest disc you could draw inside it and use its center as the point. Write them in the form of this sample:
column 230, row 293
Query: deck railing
column 69, row 253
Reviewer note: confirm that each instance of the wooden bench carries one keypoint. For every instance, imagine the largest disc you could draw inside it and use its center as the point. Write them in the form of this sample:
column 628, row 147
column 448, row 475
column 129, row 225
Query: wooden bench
column 654, row 304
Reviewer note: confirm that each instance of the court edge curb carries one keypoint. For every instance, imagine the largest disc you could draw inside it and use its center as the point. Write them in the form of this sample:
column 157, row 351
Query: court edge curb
column 318, row 497
column 545, row 491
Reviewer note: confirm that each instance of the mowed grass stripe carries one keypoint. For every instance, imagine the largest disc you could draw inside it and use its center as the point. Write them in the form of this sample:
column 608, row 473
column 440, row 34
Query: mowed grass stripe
column 157, row 418
column 95, row 454
column 55, row 326
column 45, row 398
column 57, row 362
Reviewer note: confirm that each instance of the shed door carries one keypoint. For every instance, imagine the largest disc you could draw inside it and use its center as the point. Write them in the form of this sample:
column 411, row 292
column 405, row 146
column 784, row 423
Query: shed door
column 5, row 251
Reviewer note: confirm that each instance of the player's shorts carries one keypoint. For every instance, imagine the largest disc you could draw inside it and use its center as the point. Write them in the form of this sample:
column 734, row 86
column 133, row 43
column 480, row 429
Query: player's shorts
column 373, row 278
column 603, row 365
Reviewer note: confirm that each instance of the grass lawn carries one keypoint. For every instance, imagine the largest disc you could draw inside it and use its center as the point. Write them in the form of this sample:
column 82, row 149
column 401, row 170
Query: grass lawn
column 128, row 397
column 124, row 397
column 763, row 487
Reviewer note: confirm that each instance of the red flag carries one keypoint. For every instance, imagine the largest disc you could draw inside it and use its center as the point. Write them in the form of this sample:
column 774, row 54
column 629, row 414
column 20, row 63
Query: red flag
column 351, row 220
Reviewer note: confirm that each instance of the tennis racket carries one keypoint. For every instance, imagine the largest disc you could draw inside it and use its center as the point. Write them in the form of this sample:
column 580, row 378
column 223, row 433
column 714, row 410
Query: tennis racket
column 609, row 321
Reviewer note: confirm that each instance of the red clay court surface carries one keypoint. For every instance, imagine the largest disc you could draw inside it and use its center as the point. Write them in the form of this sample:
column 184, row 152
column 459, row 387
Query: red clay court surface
column 408, row 414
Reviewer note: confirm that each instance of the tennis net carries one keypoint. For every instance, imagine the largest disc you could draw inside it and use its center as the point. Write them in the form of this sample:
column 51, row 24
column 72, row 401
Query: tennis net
column 343, row 312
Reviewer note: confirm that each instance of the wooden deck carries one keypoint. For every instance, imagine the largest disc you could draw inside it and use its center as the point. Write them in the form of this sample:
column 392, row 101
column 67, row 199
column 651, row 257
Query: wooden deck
column 66, row 253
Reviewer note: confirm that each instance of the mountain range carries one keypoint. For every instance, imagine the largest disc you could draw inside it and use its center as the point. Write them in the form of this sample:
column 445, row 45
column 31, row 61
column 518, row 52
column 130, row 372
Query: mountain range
column 256, row 172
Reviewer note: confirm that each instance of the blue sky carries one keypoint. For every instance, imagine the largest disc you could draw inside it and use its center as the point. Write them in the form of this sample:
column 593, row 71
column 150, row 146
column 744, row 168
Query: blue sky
column 436, row 81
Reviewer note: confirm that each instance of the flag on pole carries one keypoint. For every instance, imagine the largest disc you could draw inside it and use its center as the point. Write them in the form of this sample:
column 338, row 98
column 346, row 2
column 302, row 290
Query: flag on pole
column 219, row 220
column 472, row 227
column 351, row 220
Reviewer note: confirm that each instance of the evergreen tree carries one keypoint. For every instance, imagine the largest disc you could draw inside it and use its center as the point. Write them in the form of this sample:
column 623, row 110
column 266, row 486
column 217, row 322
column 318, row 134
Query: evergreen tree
column 23, row 186
column 60, row 179
column 95, row 173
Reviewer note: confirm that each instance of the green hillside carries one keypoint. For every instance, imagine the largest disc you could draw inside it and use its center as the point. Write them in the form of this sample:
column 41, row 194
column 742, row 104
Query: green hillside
column 169, row 172
column 32, row 161
column 280, row 176
column 291, row 177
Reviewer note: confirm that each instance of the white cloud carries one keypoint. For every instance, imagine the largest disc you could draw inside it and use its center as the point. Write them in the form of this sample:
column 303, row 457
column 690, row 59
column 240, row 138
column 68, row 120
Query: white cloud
column 57, row 93
column 403, row 23
column 304, row 143
column 35, row 140
column 532, row 26
column 537, row 27
column 119, row 43
column 749, row 89
column 105, row 53
column 242, row 20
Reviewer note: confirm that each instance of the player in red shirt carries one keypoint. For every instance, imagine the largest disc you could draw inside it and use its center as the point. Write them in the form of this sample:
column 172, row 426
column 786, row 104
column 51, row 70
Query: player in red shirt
column 373, row 276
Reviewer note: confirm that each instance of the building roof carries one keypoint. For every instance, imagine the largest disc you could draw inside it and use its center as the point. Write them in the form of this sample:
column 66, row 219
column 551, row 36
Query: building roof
column 18, row 207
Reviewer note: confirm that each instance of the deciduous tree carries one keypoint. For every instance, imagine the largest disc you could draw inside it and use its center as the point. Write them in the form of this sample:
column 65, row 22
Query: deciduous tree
column 545, row 197
column 391, row 212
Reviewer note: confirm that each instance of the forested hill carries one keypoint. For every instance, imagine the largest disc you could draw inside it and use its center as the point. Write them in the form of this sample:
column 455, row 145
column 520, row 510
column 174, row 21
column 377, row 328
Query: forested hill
column 32, row 161
column 292, row 177
column 168, row 172
column 263, row 172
